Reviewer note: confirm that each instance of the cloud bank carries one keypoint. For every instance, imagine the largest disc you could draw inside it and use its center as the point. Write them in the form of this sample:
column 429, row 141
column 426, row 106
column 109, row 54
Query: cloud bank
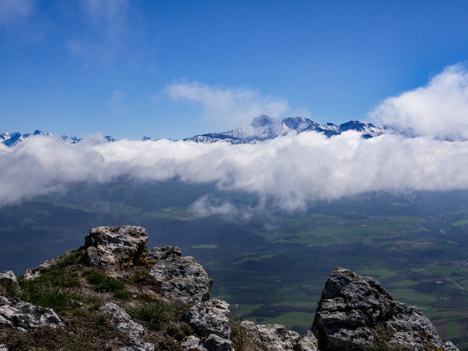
column 289, row 171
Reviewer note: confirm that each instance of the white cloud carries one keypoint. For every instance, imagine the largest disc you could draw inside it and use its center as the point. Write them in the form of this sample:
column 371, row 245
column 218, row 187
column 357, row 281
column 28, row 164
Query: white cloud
column 439, row 109
column 14, row 11
column 287, row 172
column 228, row 107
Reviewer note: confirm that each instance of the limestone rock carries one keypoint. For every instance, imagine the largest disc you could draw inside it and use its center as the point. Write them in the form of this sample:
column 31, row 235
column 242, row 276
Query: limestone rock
column 26, row 317
column 210, row 317
column 115, row 247
column 217, row 343
column 274, row 337
column 192, row 343
column 356, row 313
column 125, row 324
column 308, row 342
column 9, row 276
column 181, row 278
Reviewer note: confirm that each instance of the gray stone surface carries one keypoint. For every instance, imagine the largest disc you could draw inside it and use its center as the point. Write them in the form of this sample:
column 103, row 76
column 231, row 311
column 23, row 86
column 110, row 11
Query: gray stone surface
column 217, row 343
column 3, row 347
column 26, row 317
column 355, row 312
column 181, row 278
column 274, row 337
column 210, row 317
column 115, row 247
column 125, row 324
column 192, row 343
column 308, row 342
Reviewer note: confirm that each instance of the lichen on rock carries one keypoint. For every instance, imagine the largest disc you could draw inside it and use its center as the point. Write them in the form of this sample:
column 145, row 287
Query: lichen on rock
column 115, row 247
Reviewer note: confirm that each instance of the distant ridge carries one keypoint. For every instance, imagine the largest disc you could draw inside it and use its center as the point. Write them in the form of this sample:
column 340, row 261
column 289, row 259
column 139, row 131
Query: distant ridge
column 262, row 128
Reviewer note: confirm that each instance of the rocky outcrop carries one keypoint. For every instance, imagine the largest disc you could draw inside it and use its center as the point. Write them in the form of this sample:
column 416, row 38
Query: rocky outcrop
column 181, row 278
column 26, row 317
column 210, row 317
column 125, row 324
column 356, row 313
column 275, row 337
column 3, row 348
column 115, row 247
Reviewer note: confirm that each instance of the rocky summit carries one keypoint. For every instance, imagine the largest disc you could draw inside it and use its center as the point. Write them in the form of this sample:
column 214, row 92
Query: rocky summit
column 115, row 294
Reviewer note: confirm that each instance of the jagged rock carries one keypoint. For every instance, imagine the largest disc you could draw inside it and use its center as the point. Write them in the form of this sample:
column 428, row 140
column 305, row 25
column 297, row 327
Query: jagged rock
column 125, row 324
column 210, row 317
column 192, row 343
column 308, row 342
column 274, row 337
column 181, row 278
column 217, row 343
column 356, row 313
column 26, row 317
column 3, row 348
column 9, row 276
column 115, row 247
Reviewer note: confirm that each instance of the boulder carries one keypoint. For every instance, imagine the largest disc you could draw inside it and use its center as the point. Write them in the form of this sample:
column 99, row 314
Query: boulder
column 356, row 313
column 181, row 278
column 125, row 324
column 115, row 247
column 275, row 337
column 210, row 317
column 26, row 317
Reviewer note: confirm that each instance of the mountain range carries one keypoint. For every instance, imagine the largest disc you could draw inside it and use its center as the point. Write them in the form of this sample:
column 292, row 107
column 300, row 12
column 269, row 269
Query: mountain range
column 262, row 128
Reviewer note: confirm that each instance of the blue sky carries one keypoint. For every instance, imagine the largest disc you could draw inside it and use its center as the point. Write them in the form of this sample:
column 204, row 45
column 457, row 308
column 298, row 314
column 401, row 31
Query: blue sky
column 178, row 68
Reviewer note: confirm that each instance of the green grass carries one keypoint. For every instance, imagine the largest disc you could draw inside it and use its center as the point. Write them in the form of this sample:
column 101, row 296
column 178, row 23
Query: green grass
column 460, row 223
column 453, row 329
column 104, row 283
column 156, row 314
column 289, row 319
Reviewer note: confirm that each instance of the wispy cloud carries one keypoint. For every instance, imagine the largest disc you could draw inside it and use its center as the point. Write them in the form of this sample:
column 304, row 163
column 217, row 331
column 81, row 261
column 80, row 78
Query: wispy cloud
column 228, row 107
column 439, row 109
column 116, row 105
column 13, row 12
column 107, row 20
